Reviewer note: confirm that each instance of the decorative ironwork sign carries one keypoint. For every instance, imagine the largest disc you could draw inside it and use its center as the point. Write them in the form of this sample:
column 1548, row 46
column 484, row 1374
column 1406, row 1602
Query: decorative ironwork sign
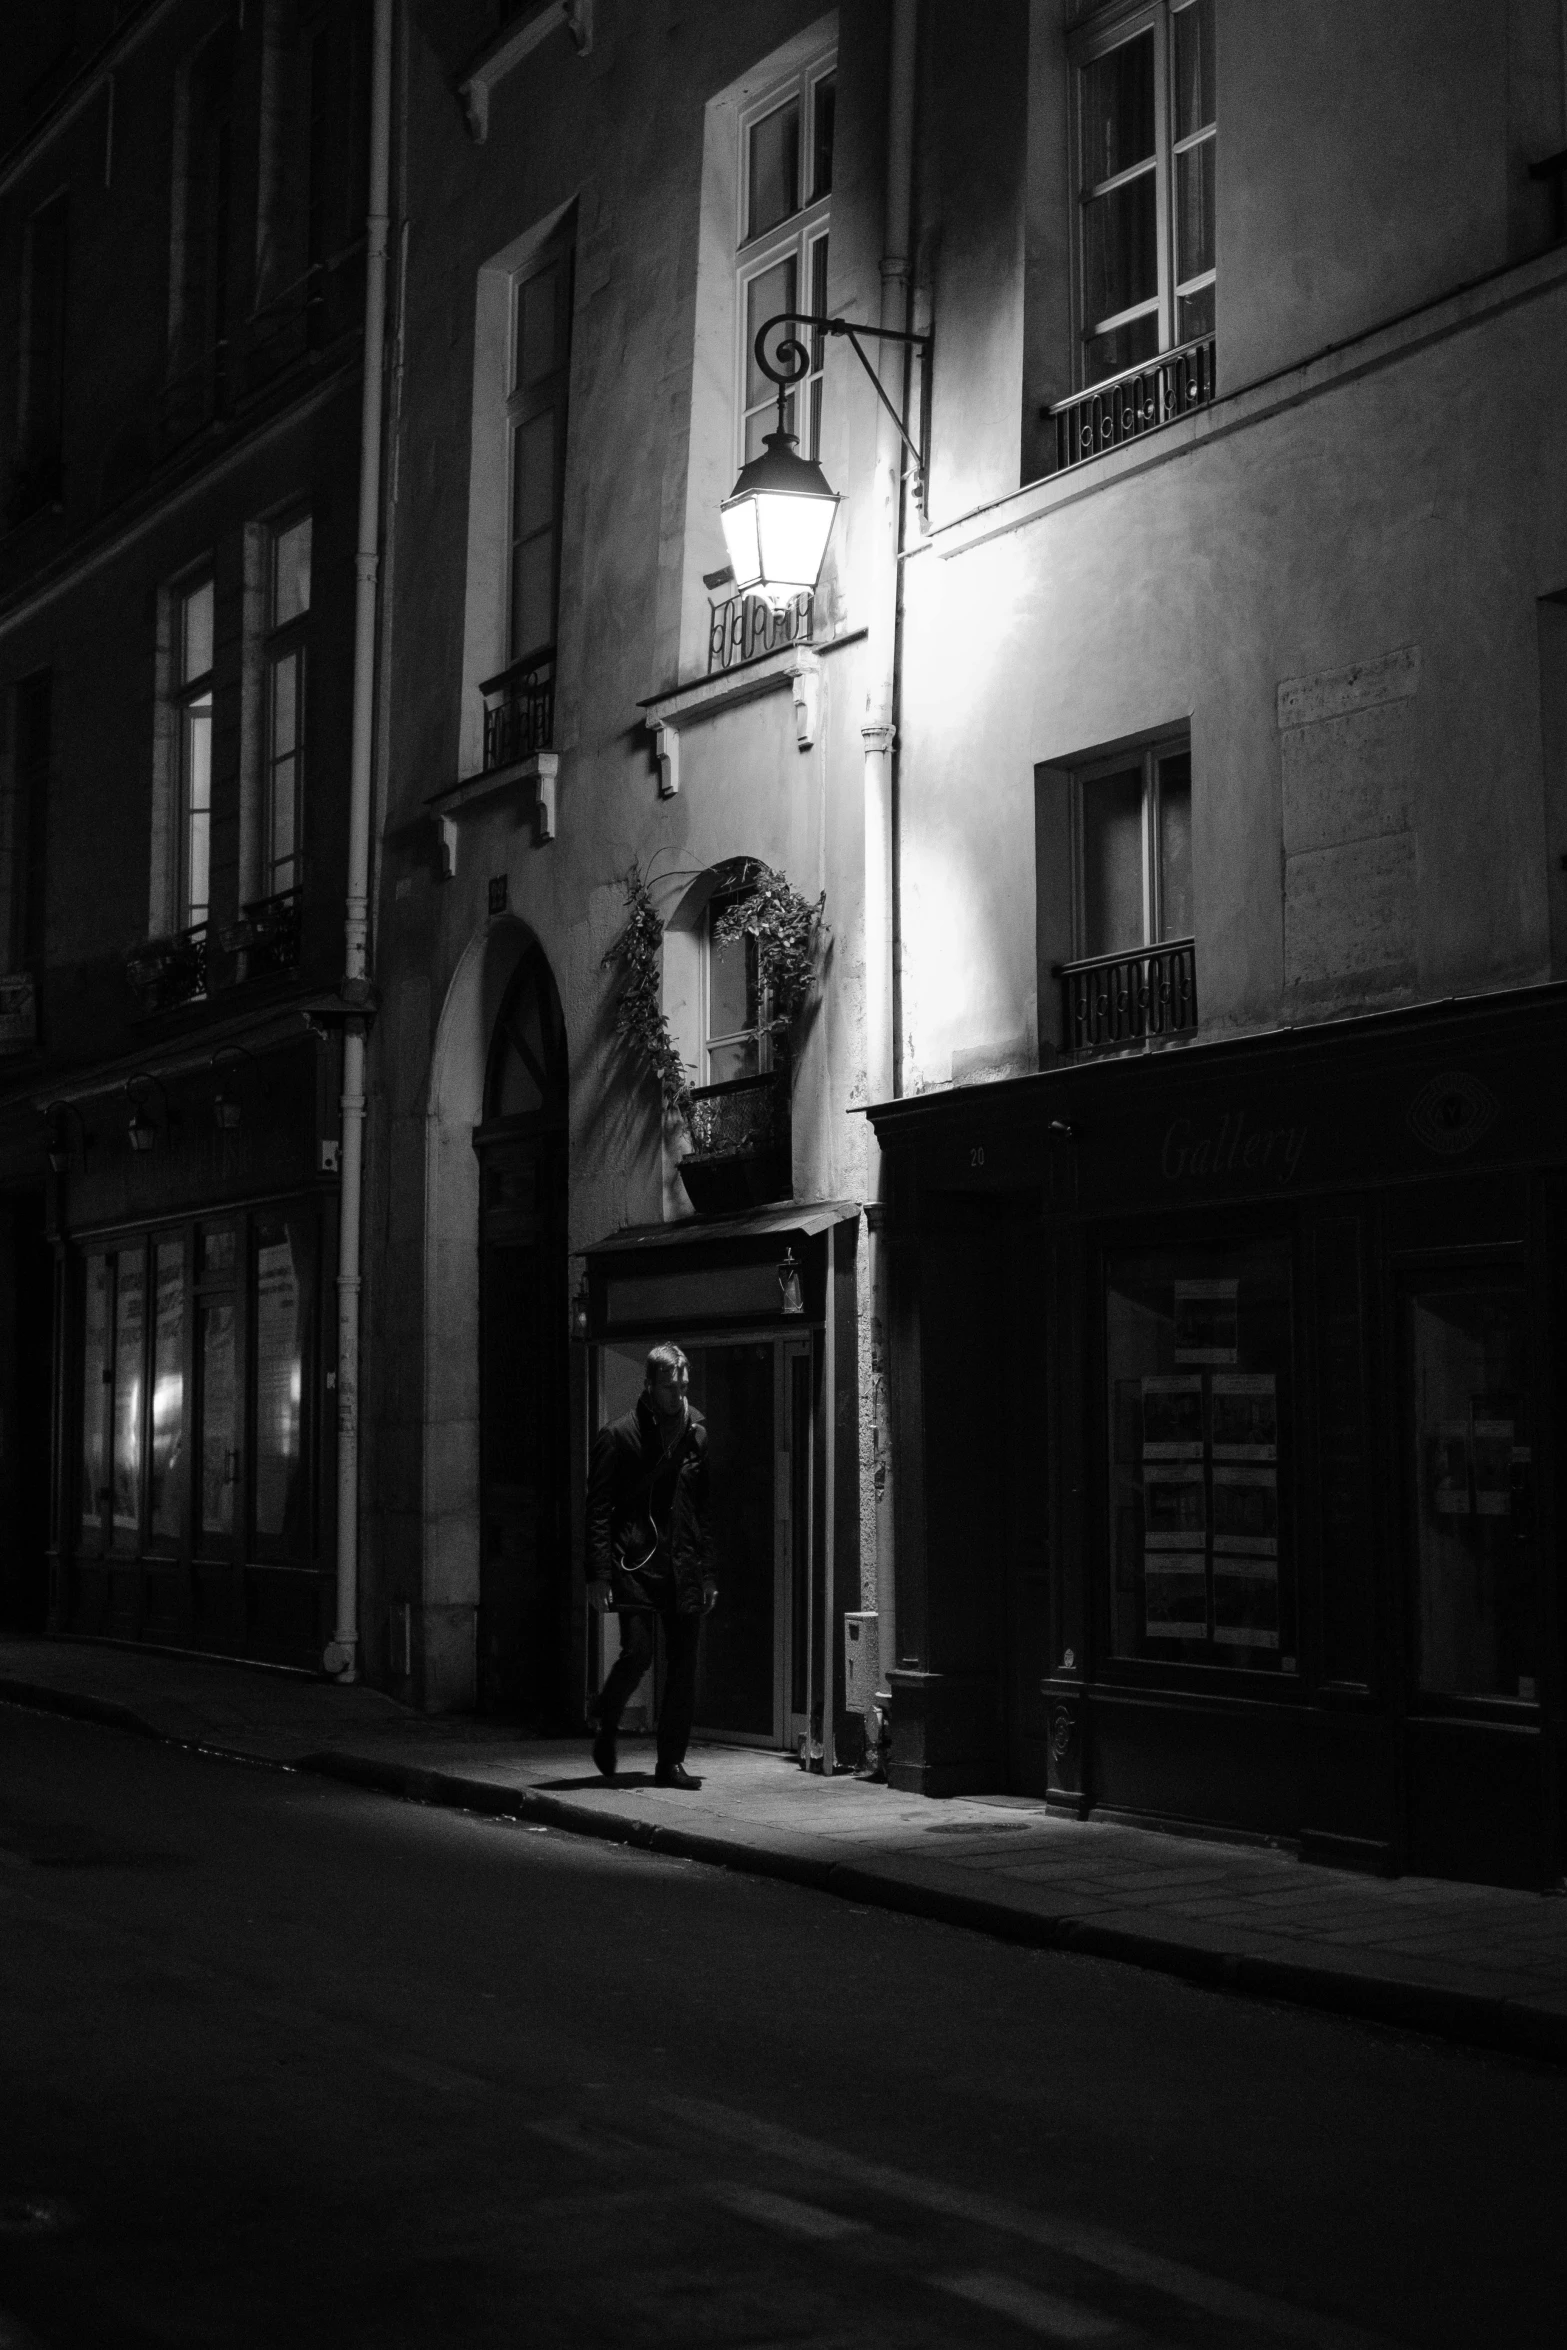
column 1452, row 1112
column 745, row 628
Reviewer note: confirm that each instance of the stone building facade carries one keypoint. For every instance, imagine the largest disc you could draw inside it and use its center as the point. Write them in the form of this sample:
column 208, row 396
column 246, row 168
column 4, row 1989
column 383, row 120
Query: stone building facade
column 1178, row 745
column 182, row 235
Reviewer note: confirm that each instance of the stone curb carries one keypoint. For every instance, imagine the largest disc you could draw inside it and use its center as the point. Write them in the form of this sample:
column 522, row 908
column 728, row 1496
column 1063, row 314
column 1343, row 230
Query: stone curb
column 1510, row 2026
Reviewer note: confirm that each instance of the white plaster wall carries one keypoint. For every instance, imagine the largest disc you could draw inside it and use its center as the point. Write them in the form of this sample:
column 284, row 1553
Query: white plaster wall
column 1418, row 504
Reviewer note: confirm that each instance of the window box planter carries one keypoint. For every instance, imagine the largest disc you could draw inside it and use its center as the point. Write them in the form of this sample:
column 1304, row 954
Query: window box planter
column 740, row 1155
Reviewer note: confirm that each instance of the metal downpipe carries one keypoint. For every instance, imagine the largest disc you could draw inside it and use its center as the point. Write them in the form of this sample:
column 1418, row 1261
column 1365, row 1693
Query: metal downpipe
column 342, row 1652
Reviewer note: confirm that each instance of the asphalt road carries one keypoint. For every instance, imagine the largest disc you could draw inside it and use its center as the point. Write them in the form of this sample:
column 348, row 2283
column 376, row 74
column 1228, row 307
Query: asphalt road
column 286, row 2064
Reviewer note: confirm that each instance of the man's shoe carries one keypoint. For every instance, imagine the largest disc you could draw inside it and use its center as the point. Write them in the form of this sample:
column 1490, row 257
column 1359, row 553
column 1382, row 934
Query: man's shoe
column 674, row 1775
column 604, row 1753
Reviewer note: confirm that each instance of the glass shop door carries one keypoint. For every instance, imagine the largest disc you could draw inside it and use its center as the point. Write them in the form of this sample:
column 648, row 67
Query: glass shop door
column 755, row 1395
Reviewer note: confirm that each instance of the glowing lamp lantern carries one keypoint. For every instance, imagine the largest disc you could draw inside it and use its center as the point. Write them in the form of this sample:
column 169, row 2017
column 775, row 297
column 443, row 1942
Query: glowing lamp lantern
column 777, row 520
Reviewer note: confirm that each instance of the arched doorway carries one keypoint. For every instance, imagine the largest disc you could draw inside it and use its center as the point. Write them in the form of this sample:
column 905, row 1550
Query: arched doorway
column 524, row 1518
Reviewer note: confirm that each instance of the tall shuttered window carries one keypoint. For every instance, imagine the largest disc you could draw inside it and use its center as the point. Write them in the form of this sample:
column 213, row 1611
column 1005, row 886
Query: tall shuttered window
column 786, row 163
column 193, row 649
column 540, row 359
column 1146, row 149
column 288, row 620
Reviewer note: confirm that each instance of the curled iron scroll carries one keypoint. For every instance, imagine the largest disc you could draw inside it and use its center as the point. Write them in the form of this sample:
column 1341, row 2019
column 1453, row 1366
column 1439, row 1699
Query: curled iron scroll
column 791, row 362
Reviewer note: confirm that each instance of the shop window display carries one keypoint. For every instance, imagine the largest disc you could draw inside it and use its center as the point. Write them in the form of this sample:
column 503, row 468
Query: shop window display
column 1198, row 1363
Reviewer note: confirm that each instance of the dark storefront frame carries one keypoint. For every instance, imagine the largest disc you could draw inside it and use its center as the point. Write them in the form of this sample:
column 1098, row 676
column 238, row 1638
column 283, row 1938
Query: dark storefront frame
column 1384, row 1153
column 253, row 1219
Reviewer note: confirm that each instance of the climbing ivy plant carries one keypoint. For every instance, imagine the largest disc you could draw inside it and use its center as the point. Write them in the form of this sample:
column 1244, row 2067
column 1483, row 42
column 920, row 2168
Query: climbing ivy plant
column 788, row 931
column 639, row 1010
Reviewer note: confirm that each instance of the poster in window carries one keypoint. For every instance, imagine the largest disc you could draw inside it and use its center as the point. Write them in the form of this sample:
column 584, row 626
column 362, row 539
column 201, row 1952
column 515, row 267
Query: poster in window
column 1245, row 1600
column 1245, row 1509
column 1207, row 1321
column 1245, row 1416
column 1492, row 1456
column 1449, row 1469
column 1175, row 1594
column 1174, row 1515
column 1172, row 1418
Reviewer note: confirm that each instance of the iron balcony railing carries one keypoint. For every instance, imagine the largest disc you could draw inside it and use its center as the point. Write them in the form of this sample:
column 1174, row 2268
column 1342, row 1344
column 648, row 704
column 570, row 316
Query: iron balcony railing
column 746, row 627
column 1139, row 400
column 741, row 1118
column 1146, row 995
column 519, row 710
column 170, row 971
column 266, row 934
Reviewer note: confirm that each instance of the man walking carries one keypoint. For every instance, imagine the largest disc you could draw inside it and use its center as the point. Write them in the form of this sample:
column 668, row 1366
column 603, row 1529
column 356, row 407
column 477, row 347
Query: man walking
column 649, row 1546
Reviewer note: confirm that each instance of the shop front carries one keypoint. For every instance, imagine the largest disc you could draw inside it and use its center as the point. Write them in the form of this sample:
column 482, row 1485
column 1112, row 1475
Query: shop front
column 196, row 1238
column 1226, row 1459
column 763, row 1306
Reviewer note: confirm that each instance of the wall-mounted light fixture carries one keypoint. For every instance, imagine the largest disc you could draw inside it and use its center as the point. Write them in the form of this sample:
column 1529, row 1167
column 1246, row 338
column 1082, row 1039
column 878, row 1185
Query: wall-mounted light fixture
column 226, row 1108
column 140, row 1131
column 580, row 1311
column 58, row 1143
column 789, row 1290
column 778, row 517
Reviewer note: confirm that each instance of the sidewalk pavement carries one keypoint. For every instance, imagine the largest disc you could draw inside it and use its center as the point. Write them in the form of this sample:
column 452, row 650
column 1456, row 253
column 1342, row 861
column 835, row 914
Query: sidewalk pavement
column 1474, row 1963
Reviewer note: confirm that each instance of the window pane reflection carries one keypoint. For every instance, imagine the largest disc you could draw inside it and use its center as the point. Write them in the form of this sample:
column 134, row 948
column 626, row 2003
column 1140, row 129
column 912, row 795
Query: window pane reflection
column 281, row 1309
column 773, row 175
column 129, row 1331
column 95, row 1362
column 1113, row 863
column 1175, row 846
column 1118, row 110
column 1474, row 1467
column 168, row 1393
column 216, row 1372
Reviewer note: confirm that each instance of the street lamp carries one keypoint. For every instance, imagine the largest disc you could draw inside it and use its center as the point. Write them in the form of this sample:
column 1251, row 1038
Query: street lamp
column 140, row 1131
column 58, row 1144
column 778, row 517
column 226, row 1107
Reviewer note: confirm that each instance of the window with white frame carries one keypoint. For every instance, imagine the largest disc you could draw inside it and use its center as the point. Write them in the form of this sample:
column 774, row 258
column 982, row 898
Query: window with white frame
column 288, row 619
column 735, row 1038
column 539, row 354
column 193, row 640
column 1145, row 142
column 785, row 187
column 1132, row 819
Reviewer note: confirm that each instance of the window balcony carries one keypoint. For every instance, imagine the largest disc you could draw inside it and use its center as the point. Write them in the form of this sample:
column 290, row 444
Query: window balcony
column 519, row 711
column 1115, row 1003
column 266, row 934
column 746, row 628
column 1139, row 400
column 166, row 972
column 740, row 1153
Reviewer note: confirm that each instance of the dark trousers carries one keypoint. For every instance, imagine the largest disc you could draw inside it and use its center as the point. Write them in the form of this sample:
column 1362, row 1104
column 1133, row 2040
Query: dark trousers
column 682, row 1635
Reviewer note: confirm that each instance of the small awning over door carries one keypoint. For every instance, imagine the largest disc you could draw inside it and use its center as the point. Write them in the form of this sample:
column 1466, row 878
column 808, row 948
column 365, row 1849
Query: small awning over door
column 723, row 1271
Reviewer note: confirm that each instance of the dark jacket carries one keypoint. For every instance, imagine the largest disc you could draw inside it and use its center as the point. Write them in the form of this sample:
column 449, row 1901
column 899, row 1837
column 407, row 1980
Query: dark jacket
column 622, row 1471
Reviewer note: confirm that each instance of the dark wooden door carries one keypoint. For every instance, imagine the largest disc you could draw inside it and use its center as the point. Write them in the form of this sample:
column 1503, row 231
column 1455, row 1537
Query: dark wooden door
column 524, row 1517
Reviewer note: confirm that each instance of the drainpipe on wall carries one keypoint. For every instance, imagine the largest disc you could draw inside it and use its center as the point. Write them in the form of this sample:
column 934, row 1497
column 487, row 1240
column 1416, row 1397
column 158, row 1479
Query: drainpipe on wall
column 342, row 1652
column 879, row 734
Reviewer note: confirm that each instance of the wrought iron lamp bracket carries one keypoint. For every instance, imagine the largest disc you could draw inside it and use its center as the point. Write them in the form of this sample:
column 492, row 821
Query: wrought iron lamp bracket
column 791, row 364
